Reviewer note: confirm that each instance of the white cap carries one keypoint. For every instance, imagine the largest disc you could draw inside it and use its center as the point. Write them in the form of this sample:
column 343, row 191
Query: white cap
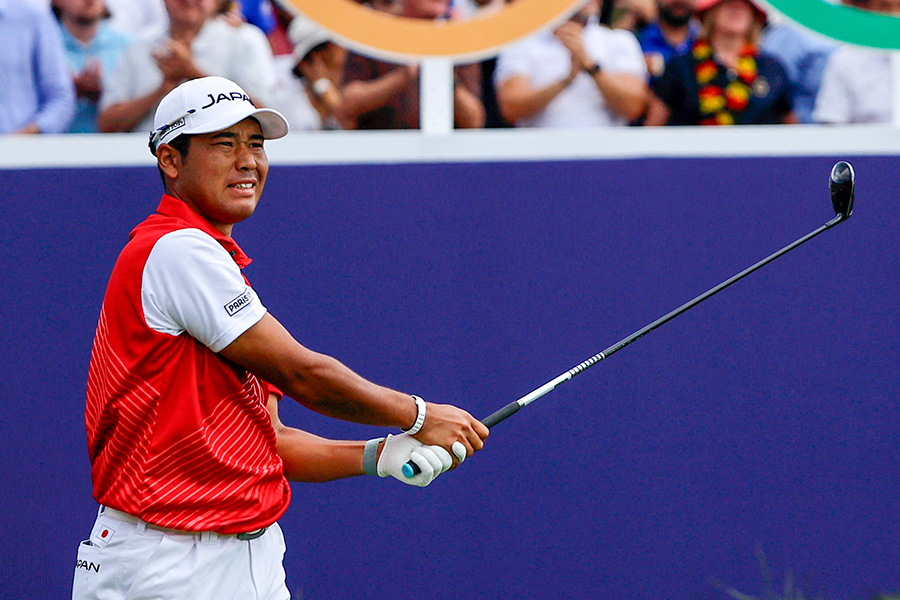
column 210, row 104
column 305, row 34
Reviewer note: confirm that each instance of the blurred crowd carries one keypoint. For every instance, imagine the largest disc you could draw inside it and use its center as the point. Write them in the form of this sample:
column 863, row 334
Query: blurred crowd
column 85, row 66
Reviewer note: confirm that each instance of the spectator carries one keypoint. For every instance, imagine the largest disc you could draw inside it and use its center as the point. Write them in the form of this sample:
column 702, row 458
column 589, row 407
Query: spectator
column 672, row 33
column 724, row 79
column 857, row 85
column 581, row 74
column 308, row 87
column 260, row 13
column 93, row 49
column 382, row 95
column 493, row 118
column 630, row 15
column 252, row 39
column 469, row 9
column 278, row 37
column 196, row 45
column 803, row 56
column 390, row 6
column 230, row 12
column 486, row 8
column 888, row 7
column 37, row 95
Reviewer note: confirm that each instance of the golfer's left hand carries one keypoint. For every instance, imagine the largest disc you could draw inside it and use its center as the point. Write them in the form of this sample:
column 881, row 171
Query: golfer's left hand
column 399, row 449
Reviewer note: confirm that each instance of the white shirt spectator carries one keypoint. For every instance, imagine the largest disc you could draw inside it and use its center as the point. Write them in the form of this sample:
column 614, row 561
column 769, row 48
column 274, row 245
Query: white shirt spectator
column 856, row 87
column 290, row 98
column 143, row 19
column 544, row 60
column 240, row 54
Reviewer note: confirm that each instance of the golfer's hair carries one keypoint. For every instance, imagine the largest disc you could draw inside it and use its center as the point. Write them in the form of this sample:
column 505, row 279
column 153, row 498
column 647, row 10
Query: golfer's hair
column 181, row 143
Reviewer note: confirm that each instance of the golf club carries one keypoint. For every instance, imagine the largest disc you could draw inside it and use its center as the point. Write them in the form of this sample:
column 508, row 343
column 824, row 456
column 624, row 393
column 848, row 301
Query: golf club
column 841, row 185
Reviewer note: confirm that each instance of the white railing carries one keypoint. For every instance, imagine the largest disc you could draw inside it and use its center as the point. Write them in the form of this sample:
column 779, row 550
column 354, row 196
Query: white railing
column 383, row 147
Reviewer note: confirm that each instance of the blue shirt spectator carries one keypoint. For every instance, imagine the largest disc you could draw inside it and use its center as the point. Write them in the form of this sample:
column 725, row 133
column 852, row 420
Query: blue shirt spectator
column 673, row 32
column 37, row 95
column 90, row 60
column 259, row 13
column 659, row 50
column 803, row 56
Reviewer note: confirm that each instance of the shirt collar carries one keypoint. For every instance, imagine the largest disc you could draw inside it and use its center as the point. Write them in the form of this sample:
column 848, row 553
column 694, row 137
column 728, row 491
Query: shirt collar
column 173, row 207
column 72, row 42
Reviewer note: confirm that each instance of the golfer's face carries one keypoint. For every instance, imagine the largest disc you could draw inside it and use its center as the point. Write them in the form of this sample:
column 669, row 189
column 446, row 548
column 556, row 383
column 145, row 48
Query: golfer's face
column 223, row 174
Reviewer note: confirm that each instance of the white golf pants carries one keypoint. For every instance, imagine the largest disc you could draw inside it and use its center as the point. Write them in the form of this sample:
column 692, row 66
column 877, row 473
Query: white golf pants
column 134, row 561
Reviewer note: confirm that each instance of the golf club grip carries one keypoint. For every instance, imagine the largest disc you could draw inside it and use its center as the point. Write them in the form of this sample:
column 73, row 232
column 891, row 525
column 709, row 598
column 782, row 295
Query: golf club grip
column 411, row 469
column 507, row 411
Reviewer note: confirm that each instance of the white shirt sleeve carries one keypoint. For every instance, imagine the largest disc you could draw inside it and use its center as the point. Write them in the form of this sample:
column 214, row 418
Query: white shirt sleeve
column 514, row 60
column 833, row 103
column 123, row 83
column 191, row 285
column 252, row 65
column 622, row 54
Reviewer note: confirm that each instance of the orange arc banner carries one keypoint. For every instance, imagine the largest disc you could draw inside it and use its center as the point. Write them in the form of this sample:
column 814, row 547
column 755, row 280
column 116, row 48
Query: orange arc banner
column 391, row 37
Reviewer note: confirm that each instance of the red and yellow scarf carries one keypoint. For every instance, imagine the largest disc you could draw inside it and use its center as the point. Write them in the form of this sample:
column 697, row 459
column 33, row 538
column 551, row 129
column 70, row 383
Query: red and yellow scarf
column 722, row 97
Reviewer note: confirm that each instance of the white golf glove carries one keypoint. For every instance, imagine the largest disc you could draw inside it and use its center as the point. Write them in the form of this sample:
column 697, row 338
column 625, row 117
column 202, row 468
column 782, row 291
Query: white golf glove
column 398, row 449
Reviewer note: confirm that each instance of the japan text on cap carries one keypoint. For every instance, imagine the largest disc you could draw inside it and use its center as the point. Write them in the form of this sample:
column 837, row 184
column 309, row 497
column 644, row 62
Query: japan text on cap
column 210, row 104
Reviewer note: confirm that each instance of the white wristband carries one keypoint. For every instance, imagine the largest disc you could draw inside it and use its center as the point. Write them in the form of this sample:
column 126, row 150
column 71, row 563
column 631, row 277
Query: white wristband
column 420, row 417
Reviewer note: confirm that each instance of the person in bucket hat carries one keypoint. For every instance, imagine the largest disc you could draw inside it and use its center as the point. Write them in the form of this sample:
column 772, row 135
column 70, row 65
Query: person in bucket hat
column 723, row 79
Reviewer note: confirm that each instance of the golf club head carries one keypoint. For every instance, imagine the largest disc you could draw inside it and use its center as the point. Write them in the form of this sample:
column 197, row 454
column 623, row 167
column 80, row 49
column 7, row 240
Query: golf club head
column 841, row 185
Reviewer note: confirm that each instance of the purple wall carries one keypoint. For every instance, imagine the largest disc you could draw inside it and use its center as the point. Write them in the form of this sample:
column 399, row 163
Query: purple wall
column 765, row 417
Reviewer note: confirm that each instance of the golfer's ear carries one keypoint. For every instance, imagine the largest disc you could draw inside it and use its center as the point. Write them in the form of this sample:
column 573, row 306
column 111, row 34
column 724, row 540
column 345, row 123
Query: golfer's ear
column 169, row 160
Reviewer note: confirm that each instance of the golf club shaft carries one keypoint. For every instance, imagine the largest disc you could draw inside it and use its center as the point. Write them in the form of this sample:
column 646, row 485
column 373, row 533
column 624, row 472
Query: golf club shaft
column 513, row 407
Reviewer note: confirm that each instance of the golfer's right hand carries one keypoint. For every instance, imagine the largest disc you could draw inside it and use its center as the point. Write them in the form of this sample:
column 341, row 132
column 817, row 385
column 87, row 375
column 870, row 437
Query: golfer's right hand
column 454, row 430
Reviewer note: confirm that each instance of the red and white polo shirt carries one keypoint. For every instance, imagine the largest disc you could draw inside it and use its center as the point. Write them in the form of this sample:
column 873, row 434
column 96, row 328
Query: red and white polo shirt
column 178, row 436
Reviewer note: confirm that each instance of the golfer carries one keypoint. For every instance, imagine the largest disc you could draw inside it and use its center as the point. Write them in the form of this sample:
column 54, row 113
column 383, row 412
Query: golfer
column 190, row 463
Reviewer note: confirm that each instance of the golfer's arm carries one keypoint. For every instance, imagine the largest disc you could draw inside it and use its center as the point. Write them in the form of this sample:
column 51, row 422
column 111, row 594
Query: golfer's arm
column 312, row 459
column 319, row 382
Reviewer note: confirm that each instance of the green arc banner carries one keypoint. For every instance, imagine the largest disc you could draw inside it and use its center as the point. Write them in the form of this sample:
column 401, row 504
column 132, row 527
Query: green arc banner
column 843, row 23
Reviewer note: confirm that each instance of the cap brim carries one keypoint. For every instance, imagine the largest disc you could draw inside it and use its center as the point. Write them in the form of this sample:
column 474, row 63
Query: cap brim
column 272, row 123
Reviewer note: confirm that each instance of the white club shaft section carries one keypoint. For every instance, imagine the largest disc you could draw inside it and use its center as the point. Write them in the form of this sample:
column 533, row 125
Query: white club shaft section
column 550, row 385
column 555, row 383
